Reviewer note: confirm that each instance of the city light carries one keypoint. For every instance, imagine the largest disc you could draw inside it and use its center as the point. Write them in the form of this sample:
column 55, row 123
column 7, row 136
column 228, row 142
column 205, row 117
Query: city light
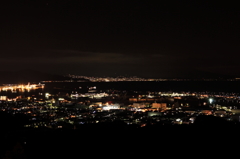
column 210, row 100
column 21, row 87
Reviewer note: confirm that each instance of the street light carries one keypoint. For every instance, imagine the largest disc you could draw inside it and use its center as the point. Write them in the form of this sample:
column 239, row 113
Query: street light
column 210, row 100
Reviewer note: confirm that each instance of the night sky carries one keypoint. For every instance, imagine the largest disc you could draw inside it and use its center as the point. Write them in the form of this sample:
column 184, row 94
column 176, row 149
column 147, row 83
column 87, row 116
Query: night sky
column 109, row 37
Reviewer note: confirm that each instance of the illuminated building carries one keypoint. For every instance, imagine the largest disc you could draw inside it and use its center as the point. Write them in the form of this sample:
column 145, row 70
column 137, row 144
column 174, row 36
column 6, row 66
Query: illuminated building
column 133, row 100
column 139, row 105
column 235, row 111
column 3, row 97
column 112, row 106
column 206, row 112
column 162, row 106
column 219, row 112
column 154, row 114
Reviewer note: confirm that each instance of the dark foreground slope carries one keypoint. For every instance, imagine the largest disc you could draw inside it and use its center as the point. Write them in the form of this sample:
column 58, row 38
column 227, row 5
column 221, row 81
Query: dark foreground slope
column 114, row 141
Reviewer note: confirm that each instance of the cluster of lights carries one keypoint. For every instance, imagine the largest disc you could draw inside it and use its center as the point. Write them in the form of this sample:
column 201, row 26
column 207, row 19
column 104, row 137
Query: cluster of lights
column 21, row 87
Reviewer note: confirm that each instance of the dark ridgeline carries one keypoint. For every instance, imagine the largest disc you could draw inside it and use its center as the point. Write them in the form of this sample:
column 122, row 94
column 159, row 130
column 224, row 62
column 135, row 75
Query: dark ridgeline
column 113, row 139
column 28, row 75
column 102, row 142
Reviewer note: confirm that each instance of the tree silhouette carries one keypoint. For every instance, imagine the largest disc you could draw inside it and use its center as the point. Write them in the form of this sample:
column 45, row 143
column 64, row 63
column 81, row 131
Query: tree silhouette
column 16, row 153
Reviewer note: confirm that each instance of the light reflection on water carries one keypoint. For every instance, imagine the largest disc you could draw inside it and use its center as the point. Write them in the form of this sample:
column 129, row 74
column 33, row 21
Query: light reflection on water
column 20, row 88
column 15, row 91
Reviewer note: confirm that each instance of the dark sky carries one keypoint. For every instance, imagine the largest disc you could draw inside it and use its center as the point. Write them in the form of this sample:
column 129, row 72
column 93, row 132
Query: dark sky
column 110, row 37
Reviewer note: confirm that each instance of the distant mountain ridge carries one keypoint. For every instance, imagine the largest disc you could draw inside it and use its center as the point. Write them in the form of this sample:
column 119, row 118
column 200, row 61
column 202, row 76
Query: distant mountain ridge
column 33, row 76
column 25, row 76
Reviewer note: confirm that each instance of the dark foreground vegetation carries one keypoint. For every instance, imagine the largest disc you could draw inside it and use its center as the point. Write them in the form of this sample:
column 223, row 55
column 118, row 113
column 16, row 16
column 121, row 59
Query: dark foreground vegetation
column 113, row 139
